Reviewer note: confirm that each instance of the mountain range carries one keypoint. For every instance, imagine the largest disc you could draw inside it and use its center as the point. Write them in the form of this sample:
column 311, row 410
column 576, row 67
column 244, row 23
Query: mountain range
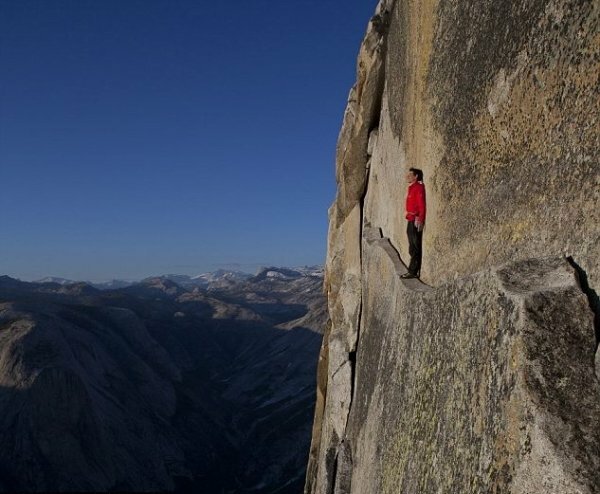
column 205, row 385
column 205, row 280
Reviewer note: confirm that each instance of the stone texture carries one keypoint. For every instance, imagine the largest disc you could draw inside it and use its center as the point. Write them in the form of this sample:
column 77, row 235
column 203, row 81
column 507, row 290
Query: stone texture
column 498, row 104
column 473, row 387
column 361, row 116
column 480, row 378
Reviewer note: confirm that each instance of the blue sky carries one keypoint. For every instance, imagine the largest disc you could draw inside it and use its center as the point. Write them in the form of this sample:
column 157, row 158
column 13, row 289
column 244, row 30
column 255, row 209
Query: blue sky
column 143, row 137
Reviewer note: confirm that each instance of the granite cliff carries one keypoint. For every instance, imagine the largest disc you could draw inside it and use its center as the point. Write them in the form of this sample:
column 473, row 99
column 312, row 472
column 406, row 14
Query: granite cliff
column 482, row 377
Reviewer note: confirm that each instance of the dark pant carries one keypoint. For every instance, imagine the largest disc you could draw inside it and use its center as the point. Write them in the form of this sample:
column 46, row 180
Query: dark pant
column 415, row 248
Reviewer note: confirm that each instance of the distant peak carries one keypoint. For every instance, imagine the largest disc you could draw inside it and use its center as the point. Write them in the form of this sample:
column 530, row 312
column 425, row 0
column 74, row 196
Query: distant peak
column 7, row 280
column 54, row 279
column 159, row 281
column 274, row 272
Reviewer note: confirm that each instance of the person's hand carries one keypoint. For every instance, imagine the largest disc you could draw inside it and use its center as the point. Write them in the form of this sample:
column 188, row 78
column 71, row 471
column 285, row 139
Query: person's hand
column 419, row 225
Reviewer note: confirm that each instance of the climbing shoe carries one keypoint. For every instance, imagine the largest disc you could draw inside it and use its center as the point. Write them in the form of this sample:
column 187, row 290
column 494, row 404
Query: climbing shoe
column 407, row 276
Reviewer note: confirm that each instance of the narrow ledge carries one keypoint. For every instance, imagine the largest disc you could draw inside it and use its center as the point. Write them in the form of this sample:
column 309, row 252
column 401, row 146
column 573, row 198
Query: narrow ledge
column 374, row 236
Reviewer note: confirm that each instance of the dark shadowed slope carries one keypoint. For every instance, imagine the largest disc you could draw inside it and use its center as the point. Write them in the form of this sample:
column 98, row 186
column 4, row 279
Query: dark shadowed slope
column 157, row 387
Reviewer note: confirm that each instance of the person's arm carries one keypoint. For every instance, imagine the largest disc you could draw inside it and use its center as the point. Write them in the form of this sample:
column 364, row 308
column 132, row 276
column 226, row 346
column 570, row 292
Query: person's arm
column 422, row 209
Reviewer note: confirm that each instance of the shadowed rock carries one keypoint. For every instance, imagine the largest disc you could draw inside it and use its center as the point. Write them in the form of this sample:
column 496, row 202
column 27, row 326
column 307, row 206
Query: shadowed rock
column 157, row 388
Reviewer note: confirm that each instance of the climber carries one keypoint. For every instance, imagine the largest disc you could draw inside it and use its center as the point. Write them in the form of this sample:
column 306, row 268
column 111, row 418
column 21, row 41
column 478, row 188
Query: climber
column 415, row 214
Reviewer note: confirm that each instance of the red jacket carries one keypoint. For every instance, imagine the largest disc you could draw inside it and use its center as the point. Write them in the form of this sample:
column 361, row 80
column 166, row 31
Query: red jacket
column 415, row 202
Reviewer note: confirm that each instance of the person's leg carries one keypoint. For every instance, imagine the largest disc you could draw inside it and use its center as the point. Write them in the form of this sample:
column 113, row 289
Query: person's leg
column 413, row 248
column 418, row 252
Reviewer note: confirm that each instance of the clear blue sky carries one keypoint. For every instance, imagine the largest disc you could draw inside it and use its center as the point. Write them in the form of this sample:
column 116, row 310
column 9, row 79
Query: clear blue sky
column 143, row 137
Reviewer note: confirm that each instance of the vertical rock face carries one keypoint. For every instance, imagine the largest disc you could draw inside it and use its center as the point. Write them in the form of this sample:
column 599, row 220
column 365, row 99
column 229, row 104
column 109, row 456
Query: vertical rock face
column 482, row 378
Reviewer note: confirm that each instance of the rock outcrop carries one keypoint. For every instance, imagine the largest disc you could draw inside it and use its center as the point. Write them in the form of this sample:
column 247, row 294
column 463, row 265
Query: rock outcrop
column 480, row 378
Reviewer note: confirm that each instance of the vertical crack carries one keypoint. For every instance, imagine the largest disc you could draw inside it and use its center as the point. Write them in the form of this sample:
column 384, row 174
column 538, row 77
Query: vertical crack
column 331, row 466
column 352, row 360
column 591, row 294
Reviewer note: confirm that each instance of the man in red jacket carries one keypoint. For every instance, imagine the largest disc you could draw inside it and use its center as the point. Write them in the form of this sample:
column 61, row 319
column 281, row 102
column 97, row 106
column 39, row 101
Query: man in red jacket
column 415, row 214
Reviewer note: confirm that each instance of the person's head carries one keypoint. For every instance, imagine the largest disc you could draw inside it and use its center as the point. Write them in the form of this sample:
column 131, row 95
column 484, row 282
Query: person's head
column 414, row 175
